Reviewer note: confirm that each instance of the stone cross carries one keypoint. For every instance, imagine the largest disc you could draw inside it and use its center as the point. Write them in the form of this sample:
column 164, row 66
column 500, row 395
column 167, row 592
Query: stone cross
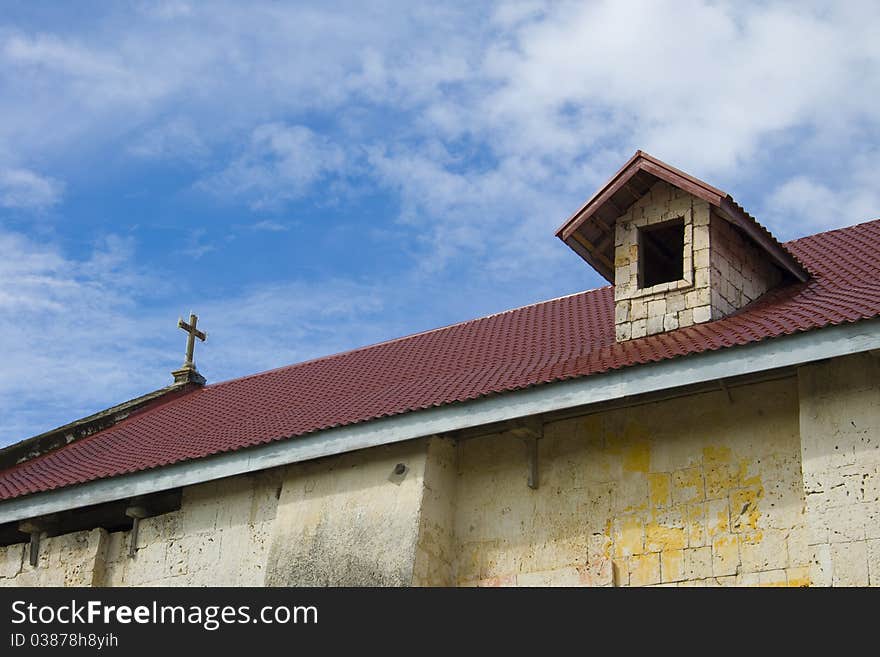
column 194, row 333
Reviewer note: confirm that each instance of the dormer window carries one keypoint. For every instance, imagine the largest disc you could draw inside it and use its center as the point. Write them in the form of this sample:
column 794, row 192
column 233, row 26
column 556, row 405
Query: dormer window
column 661, row 253
column 678, row 251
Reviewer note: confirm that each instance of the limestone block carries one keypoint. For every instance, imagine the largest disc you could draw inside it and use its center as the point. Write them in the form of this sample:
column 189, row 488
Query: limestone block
column 11, row 559
column 672, row 566
column 777, row 577
column 702, row 314
column 718, row 516
column 644, row 569
column 629, row 536
column 850, row 564
column 763, row 550
column 688, row 486
column 821, row 565
column 844, row 523
column 697, row 563
column 797, row 545
column 873, row 554
column 655, row 324
column 725, row 555
column 686, row 318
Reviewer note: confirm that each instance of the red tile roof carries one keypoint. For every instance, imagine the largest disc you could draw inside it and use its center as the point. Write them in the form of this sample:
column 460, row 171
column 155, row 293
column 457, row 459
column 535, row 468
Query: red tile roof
column 558, row 339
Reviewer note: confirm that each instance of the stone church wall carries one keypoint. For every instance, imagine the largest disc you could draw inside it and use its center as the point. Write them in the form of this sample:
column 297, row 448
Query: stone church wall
column 840, row 450
column 701, row 490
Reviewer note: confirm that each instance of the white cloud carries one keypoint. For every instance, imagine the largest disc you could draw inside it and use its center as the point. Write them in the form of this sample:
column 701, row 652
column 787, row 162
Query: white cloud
column 22, row 188
column 277, row 324
column 79, row 335
column 698, row 83
column 802, row 204
column 70, row 333
column 281, row 162
column 488, row 123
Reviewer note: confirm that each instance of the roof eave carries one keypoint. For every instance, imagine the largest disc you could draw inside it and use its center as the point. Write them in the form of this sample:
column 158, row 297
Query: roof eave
column 641, row 161
column 626, row 383
column 597, row 258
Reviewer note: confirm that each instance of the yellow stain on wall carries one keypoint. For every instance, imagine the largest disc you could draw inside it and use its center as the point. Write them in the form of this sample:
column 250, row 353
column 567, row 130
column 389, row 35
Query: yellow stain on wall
column 659, row 538
column 638, row 457
column 683, row 508
column 629, row 538
column 799, row 576
column 744, row 511
column 713, row 455
column 672, row 565
column 660, row 489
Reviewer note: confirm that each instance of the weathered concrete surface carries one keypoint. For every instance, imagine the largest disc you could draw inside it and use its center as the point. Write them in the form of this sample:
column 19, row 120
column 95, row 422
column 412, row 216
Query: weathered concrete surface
column 840, row 443
column 349, row 520
column 435, row 556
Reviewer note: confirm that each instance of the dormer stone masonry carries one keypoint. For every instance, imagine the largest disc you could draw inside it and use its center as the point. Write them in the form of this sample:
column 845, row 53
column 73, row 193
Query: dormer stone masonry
column 678, row 251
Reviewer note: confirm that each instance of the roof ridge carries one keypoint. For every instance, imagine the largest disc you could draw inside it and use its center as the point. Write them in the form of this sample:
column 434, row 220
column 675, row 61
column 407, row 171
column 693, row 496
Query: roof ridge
column 446, row 327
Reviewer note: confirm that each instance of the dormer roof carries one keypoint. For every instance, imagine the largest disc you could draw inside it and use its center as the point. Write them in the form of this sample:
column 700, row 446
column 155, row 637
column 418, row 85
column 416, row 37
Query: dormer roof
column 589, row 232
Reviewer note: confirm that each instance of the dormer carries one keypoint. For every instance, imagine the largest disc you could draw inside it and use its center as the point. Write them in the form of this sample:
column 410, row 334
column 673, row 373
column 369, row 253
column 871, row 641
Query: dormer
column 677, row 250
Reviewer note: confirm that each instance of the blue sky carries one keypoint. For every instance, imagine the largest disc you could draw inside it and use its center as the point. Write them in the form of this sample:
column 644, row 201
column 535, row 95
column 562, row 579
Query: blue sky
column 312, row 177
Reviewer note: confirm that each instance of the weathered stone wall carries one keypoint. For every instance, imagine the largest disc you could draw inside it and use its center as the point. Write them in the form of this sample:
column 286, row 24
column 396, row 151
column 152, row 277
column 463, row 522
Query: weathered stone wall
column 75, row 559
column 840, row 441
column 740, row 271
column 698, row 490
column 723, row 270
column 693, row 491
column 346, row 520
column 220, row 536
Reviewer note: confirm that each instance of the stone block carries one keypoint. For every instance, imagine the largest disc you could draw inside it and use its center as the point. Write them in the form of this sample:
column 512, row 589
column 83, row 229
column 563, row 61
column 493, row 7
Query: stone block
column 655, row 324
column 850, row 564
column 639, row 328
column 873, row 555
column 656, row 308
column 697, row 563
column 675, row 302
column 702, row 314
column 644, row 569
column 687, row 486
column 725, row 555
column 821, row 566
column 672, row 566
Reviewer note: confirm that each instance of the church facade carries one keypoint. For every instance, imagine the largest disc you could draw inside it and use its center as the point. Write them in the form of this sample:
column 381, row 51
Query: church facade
column 710, row 418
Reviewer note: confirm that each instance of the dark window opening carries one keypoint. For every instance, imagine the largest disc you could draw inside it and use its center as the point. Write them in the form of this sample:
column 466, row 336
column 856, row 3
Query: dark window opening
column 661, row 253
